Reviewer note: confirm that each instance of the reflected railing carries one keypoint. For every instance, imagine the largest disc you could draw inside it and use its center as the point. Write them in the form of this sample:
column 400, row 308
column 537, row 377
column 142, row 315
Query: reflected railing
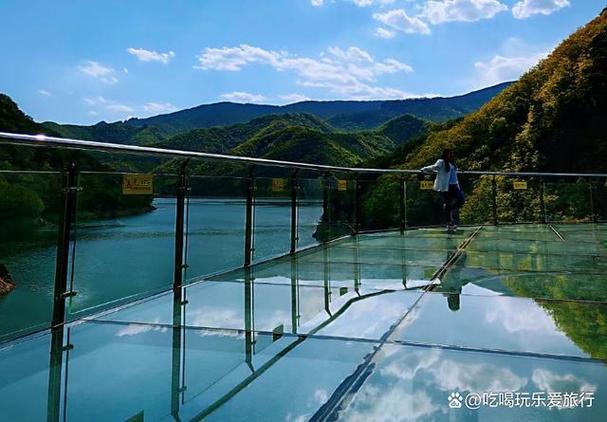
column 87, row 226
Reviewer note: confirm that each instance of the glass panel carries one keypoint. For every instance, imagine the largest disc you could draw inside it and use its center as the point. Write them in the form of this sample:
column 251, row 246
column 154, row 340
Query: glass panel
column 422, row 382
column 300, row 378
column 216, row 225
column 599, row 199
column 310, row 210
column 380, row 208
column 519, row 200
column 339, row 208
column 424, row 205
column 478, row 192
column 30, row 210
column 124, row 243
column 272, row 208
column 127, row 368
column 568, row 201
column 24, row 383
column 500, row 323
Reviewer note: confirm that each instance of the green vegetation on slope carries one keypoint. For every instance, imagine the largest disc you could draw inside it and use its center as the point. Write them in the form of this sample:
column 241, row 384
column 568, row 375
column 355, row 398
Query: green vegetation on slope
column 345, row 115
column 552, row 119
column 30, row 200
column 222, row 139
column 401, row 129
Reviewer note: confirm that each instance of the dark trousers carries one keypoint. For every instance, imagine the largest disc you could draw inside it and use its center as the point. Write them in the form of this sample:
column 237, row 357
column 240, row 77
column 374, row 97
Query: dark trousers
column 454, row 199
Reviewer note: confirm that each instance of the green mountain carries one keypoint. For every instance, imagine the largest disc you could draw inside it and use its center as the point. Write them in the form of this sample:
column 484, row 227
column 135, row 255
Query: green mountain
column 297, row 143
column 551, row 120
column 438, row 109
column 351, row 115
column 347, row 115
column 222, row 139
column 30, row 200
column 291, row 137
column 401, row 129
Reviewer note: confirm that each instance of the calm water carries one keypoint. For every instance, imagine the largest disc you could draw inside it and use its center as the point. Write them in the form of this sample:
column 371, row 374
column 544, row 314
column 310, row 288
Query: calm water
column 125, row 257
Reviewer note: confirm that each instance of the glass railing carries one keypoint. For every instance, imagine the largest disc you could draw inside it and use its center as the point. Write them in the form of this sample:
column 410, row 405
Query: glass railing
column 88, row 226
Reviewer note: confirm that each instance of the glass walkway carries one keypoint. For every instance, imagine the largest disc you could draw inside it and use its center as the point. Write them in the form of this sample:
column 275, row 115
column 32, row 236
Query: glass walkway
column 145, row 284
column 504, row 322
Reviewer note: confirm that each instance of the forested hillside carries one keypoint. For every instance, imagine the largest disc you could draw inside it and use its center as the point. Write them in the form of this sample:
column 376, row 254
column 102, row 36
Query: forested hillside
column 551, row 120
column 341, row 115
column 32, row 200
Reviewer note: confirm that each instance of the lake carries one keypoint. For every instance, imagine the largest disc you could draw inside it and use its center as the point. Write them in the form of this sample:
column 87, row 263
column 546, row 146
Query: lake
column 130, row 257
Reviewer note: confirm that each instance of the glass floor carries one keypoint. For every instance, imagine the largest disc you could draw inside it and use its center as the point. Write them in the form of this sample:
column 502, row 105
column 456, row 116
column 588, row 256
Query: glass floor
column 490, row 323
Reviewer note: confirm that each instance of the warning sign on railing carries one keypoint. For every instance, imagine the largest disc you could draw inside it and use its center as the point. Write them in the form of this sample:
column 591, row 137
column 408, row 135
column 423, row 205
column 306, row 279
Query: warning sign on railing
column 138, row 184
column 519, row 185
column 278, row 185
column 426, row 185
column 342, row 185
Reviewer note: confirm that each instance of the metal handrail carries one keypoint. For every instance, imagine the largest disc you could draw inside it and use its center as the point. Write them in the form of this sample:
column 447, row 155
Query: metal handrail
column 78, row 144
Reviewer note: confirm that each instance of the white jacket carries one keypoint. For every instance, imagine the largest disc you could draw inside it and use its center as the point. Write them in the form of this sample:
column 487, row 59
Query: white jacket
column 441, row 183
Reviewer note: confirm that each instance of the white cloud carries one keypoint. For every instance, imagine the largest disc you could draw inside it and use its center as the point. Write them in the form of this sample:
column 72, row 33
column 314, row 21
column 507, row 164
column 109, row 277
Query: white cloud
column 549, row 381
column 391, row 402
column 99, row 71
column 352, row 72
column 385, row 33
column 109, row 105
column 136, row 329
column 294, row 98
column 119, row 108
column 92, row 112
column 353, row 54
column 144, row 55
column 159, row 107
column 365, row 3
column 242, row 97
column 93, row 101
column 527, row 8
column 501, row 68
column 44, row 92
column 399, row 20
column 359, row 3
column 234, row 58
column 440, row 11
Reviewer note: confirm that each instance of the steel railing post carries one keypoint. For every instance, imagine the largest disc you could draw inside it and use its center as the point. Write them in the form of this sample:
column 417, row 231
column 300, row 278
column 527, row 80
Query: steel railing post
column 180, row 231
column 326, row 209
column 294, row 222
column 357, row 205
column 63, row 244
column 494, row 201
column 543, row 202
column 593, row 214
column 248, row 232
column 401, row 204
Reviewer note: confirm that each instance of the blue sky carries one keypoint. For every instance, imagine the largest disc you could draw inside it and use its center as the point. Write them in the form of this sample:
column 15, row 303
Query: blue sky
column 86, row 61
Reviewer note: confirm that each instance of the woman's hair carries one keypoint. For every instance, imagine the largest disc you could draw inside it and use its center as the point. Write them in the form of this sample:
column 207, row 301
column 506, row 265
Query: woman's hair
column 446, row 152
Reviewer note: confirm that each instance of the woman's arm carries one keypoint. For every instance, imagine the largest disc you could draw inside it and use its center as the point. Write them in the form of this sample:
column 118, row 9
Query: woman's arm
column 434, row 167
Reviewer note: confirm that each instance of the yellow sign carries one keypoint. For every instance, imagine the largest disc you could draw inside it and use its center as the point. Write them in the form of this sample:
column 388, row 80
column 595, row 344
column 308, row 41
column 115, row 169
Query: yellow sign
column 426, row 185
column 138, row 184
column 342, row 185
column 520, row 185
column 278, row 185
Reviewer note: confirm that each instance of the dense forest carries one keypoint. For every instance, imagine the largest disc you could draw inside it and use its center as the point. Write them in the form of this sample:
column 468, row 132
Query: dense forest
column 340, row 115
column 551, row 120
column 31, row 199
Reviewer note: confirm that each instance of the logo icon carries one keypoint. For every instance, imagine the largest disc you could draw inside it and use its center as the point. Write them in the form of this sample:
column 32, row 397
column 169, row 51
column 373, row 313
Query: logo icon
column 455, row 400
